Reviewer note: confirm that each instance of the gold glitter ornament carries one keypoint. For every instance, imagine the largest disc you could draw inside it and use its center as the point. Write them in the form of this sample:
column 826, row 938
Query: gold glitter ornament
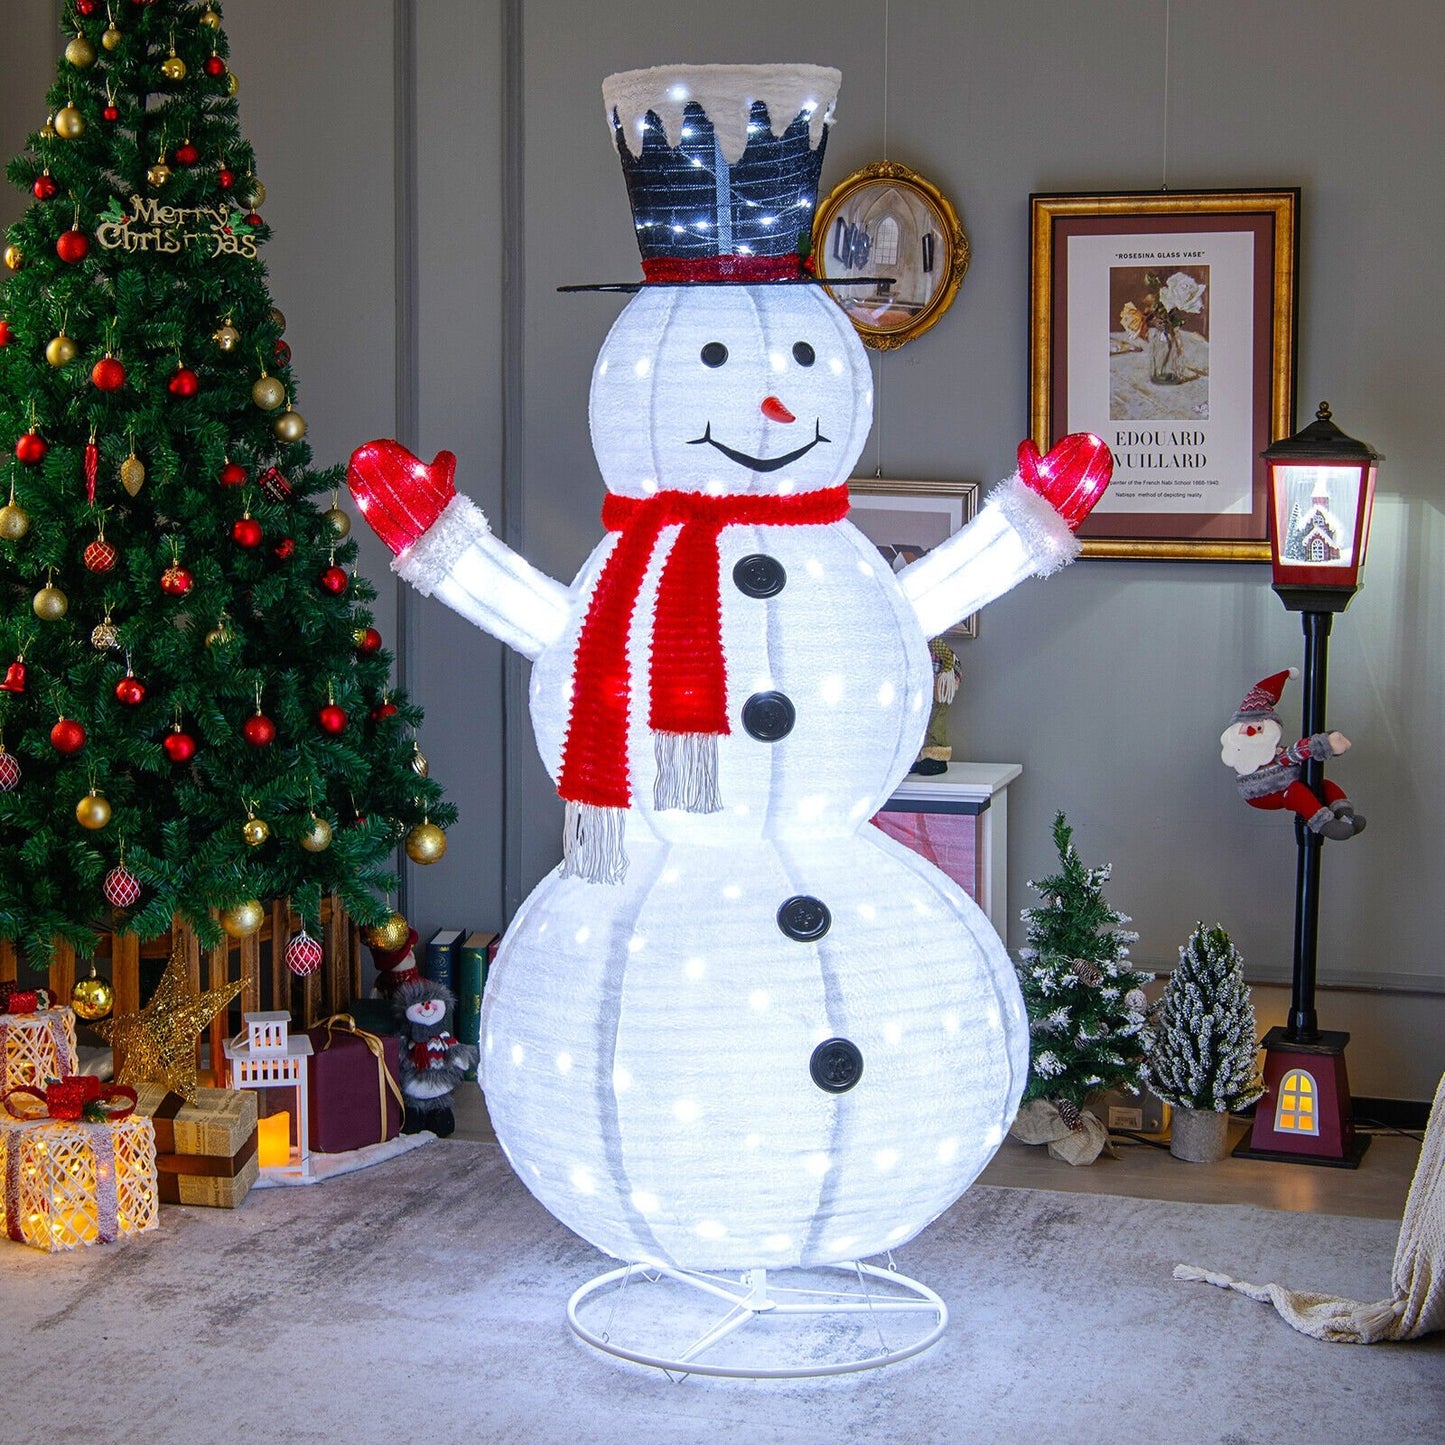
column 50, row 604
column 258, row 195
column 14, row 522
column 338, row 521
column 390, row 934
column 132, row 474
column 60, row 350
column 426, row 843
column 69, row 123
column 318, row 838
column 244, row 919
column 232, row 84
column 267, row 392
column 158, row 1044
column 92, row 811
column 80, row 52
column 111, row 37
column 210, row 19
column 92, row 998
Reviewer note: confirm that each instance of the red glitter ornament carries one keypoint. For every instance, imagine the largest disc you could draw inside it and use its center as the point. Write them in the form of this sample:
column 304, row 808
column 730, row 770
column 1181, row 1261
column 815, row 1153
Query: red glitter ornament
column 303, row 954
column 176, row 581
column 86, row 7
column 214, row 66
column 369, row 641
column 383, row 710
column 246, row 532
column 121, row 887
column 226, row 178
column 108, row 374
column 334, row 580
column 179, row 747
column 67, row 736
column 259, row 730
column 44, row 186
column 73, row 246
column 184, row 383
column 284, row 548
column 31, row 448
column 100, row 556
column 130, row 690
column 186, row 154
column 332, row 719
column 233, row 474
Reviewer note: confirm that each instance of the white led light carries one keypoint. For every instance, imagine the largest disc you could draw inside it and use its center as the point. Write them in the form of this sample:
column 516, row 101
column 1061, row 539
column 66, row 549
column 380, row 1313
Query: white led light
column 732, row 891
column 777, row 361
column 686, row 1111
column 811, row 808
column 758, row 1000
column 636, row 943
column 993, row 1136
column 564, row 1062
column 518, row 1053
column 950, row 1022
column 815, row 569
column 867, row 912
column 886, row 694
column 777, row 1243
column 621, row 1079
column 817, row 1164
column 642, row 367
column 582, row 934
column 892, row 1033
column 832, row 687
column 583, row 1180
column 753, row 1142
column 865, row 567
column 947, row 1150
column 644, row 1202
column 885, row 1159
column 678, row 92
column 710, row 1229
column 694, row 969
column 836, row 365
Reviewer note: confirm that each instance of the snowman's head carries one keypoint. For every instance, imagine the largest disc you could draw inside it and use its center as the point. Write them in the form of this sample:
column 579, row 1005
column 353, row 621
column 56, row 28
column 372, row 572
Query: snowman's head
column 729, row 389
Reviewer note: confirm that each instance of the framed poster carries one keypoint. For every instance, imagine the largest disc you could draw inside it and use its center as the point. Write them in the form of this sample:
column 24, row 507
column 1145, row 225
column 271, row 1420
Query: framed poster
column 1164, row 322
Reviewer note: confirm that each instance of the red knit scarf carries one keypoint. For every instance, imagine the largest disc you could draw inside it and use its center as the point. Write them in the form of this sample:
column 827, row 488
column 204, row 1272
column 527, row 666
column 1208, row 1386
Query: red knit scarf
column 688, row 679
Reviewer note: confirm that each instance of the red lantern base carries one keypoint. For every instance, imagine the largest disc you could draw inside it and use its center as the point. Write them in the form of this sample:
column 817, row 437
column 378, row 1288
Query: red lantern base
column 1304, row 1116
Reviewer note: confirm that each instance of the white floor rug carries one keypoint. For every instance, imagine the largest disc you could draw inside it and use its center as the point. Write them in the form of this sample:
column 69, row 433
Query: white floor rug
column 424, row 1300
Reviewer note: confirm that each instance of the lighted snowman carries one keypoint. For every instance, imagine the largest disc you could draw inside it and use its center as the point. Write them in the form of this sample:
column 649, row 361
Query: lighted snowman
column 739, row 1026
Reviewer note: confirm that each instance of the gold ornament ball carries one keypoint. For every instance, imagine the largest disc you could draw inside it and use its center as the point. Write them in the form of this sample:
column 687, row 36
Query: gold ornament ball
column 290, row 426
column 132, row 473
column 92, row 998
column 232, row 84
column 50, row 604
column 255, row 831
column 111, row 37
column 391, row 934
column 268, row 393
column 278, row 318
column 14, row 258
column 425, row 843
column 14, row 522
column 69, row 123
column 105, row 637
column 210, row 19
column 80, row 52
column 318, row 839
column 339, row 522
column 244, row 919
column 218, row 636
column 60, row 350
column 258, row 195
column 173, row 68
column 158, row 174
column 92, row 812
column 226, row 337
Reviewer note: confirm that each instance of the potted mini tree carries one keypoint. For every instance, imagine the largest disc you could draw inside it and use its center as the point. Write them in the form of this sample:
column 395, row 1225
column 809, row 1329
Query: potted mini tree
column 1203, row 1060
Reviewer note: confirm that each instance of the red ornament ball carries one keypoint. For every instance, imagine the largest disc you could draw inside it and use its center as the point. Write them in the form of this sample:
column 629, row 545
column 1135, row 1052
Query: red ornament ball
column 214, row 66
column 254, row 219
column 332, row 719
column 130, row 690
column 283, row 354
column 284, row 548
column 184, row 383
column 44, row 186
column 383, row 710
column 6, row 334
column 67, row 736
column 9, row 772
column 186, row 154
column 31, row 448
column 226, row 178
column 259, row 730
column 233, row 474
column 303, row 954
column 72, row 246
column 369, row 641
column 86, row 7
column 121, row 887
column 108, row 374
column 176, row 581
column 334, row 580
column 246, row 532
column 179, row 747
column 100, row 556
column 111, row 113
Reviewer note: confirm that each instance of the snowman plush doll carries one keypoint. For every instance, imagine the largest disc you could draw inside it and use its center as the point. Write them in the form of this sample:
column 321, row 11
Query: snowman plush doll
column 432, row 1061
column 738, row 1026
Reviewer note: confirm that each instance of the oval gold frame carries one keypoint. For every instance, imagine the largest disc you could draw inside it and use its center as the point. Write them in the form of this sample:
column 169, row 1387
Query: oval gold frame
column 847, row 205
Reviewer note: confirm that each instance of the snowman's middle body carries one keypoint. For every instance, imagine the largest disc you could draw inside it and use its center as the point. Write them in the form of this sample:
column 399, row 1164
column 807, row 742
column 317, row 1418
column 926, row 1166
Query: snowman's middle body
column 648, row 1046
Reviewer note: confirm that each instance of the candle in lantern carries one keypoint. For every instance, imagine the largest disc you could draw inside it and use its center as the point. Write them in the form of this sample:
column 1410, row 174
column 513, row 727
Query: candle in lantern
column 273, row 1140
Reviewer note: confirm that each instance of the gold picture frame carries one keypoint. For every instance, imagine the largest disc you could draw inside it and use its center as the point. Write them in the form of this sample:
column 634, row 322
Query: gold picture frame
column 906, row 519
column 887, row 221
column 1164, row 322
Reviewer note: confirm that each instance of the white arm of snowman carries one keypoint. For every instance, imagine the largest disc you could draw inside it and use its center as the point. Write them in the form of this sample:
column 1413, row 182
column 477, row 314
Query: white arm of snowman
column 1026, row 529
column 445, row 548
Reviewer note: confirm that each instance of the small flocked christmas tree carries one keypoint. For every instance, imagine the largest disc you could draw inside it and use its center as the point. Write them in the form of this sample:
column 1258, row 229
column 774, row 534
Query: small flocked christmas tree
column 1088, row 1016
column 195, row 711
column 1205, row 1040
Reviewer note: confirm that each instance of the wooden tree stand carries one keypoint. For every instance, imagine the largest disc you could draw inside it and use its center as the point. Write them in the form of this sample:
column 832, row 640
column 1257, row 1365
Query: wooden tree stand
column 259, row 961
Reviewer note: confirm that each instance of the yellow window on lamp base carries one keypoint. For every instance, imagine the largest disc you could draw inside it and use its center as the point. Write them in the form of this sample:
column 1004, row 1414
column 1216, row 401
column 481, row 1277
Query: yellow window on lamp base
column 63, row 1185
column 1297, row 1111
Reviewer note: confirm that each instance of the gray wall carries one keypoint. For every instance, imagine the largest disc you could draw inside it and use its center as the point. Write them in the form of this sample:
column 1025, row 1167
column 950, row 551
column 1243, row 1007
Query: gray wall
column 1109, row 683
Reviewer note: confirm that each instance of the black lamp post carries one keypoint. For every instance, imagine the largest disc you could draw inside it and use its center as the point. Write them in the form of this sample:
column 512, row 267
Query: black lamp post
column 1321, row 491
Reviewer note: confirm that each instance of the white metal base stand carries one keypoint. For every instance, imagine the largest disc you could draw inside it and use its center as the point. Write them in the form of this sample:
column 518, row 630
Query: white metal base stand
column 851, row 1324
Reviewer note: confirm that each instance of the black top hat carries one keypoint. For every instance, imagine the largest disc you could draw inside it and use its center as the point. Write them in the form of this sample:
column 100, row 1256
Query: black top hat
column 719, row 195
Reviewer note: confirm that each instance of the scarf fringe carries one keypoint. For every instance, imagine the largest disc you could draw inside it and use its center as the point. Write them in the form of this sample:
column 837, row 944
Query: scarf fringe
column 592, row 847
column 686, row 772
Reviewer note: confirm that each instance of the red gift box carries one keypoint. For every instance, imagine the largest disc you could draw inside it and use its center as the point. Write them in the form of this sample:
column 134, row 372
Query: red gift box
column 355, row 1099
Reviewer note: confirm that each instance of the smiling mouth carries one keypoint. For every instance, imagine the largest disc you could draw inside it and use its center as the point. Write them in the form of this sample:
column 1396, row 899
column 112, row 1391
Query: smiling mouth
column 759, row 464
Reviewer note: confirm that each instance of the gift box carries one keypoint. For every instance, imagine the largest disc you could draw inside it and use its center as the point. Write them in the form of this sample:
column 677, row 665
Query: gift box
column 353, row 1079
column 36, row 1046
column 205, row 1150
column 64, row 1184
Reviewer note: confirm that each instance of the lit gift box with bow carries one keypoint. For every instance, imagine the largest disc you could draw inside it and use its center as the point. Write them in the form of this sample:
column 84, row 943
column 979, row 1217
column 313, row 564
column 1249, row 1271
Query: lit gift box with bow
column 37, row 1042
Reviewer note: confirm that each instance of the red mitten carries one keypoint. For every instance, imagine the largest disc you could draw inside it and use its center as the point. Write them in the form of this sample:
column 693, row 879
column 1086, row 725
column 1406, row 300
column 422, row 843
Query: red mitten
column 399, row 494
column 1071, row 478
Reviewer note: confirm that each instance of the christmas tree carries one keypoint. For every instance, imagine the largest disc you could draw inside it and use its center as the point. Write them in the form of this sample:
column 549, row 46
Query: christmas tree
column 1088, row 1016
column 1205, row 1043
column 195, row 712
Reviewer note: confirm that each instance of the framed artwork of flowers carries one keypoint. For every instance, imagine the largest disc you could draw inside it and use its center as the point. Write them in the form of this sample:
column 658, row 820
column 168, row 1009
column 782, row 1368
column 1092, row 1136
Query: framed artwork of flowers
column 1164, row 322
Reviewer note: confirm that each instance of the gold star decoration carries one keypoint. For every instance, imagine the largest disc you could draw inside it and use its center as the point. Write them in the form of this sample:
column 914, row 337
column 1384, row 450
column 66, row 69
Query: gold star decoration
column 159, row 1042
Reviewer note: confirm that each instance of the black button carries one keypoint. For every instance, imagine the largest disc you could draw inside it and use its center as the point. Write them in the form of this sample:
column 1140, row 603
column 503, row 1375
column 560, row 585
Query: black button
column 768, row 716
column 804, row 918
column 836, row 1065
column 760, row 576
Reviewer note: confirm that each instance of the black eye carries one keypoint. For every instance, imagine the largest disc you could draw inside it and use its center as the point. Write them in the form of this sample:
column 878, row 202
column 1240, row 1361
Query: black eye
column 714, row 354
column 803, row 354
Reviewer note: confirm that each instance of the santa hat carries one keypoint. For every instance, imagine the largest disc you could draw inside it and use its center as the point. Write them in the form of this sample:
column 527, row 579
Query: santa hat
column 387, row 958
column 1261, row 700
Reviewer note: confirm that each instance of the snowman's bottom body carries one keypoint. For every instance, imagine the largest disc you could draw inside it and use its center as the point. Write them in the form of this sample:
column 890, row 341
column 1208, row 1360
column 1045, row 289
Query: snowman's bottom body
column 652, row 1061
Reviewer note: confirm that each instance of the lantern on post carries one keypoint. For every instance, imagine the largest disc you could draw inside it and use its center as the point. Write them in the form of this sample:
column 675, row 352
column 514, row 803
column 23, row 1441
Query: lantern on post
column 1321, row 493
column 267, row 1057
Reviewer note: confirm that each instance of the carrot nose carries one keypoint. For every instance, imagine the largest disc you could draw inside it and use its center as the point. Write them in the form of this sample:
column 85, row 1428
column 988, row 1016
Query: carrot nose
column 774, row 410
